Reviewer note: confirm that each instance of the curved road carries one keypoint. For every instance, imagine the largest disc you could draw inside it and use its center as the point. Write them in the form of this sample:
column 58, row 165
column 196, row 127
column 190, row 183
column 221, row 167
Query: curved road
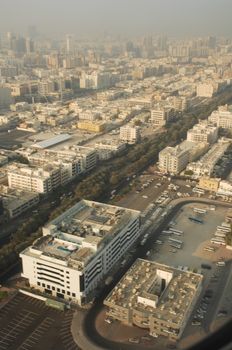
column 83, row 327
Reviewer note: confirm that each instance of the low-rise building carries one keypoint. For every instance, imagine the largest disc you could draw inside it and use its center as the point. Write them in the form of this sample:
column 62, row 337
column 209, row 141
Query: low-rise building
column 32, row 179
column 222, row 117
column 88, row 125
column 130, row 134
column 79, row 248
column 155, row 296
column 108, row 148
column 206, row 90
column 203, row 132
column 209, row 184
column 15, row 202
column 206, row 164
column 225, row 188
column 161, row 115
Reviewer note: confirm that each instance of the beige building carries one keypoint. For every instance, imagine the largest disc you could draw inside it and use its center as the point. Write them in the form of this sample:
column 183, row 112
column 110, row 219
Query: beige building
column 91, row 126
column 40, row 180
column 156, row 297
column 173, row 159
column 222, row 117
column 206, row 90
column 206, row 164
column 225, row 188
column 203, row 132
column 209, row 184
column 129, row 134
column 161, row 115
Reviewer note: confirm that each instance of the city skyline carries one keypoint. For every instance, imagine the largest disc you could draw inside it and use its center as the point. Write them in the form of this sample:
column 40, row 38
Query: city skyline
column 177, row 18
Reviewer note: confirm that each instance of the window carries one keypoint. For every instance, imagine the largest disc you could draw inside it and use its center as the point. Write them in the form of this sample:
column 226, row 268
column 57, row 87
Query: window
column 53, row 288
column 38, row 283
column 48, row 286
column 73, row 294
column 68, row 293
column 58, row 289
column 43, row 285
column 63, row 291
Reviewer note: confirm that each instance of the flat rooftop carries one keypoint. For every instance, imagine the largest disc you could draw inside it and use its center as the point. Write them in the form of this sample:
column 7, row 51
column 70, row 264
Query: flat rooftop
column 79, row 233
column 52, row 141
column 152, row 288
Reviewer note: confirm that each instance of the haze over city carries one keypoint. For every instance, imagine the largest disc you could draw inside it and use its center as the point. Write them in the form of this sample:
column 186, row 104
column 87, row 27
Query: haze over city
column 126, row 17
column 115, row 174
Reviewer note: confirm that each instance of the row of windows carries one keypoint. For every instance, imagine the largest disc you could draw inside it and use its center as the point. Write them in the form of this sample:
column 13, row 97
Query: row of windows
column 57, row 289
column 51, row 267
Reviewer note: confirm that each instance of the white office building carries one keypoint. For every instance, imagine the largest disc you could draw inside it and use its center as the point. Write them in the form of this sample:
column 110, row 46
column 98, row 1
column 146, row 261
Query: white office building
column 39, row 180
column 78, row 250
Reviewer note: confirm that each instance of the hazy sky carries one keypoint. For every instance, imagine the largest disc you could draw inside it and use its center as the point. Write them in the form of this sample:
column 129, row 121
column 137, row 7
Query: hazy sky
column 176, row 17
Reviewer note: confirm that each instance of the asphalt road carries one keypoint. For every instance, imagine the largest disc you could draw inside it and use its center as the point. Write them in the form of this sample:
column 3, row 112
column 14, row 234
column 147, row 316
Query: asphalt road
column 89, row 329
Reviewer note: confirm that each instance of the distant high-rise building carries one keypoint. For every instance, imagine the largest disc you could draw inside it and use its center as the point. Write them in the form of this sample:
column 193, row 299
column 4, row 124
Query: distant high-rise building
column 5, row 97
column 212, row 41
column 148, row 42
column 162, row 43
column 32, row 32
column 69, row 43
column 29, row 45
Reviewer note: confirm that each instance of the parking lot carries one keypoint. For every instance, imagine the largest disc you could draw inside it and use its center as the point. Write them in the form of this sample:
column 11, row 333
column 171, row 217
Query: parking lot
column 195, row 237
column 148, row 188
column 27, row 323
column 214, row 300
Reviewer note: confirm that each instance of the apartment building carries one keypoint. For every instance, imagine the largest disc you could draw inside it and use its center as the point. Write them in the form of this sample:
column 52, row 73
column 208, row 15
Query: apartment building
column 173, row 159
column 95, row 80
column 155, row 296
column 225, row 188
column 203, row 132
column 222, row 117
column 92, row 126
column 205, row 166
column 88, row 115
column 109, row 147
column 40, row 180
column 210, row 88
column 86, row 155
column 130, row 134
column 162, row 115
column 206, row 90
column 15, row 202
column 79, row 248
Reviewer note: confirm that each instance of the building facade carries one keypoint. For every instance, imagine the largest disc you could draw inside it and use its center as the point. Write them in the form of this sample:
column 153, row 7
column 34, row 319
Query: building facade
column 130, row 134
column 79, row 248
column 173, row 159
column 203, row 132
column 156, row 297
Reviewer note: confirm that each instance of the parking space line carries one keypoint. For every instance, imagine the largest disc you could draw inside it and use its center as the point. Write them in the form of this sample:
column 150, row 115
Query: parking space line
column 16, row 328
